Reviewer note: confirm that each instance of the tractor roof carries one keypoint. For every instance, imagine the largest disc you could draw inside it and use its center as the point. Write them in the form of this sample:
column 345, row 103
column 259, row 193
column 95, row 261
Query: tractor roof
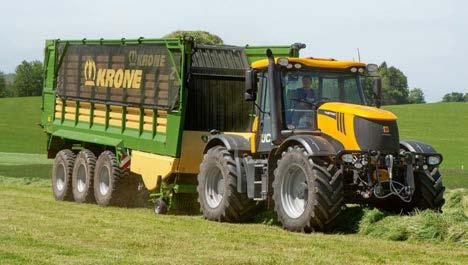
column 313, row 62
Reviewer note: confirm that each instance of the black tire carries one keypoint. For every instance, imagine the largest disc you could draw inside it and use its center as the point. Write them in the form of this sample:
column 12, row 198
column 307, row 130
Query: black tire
column 83, row 175
column 108, row 181
column 62, row 175
column 230, row 206
column 160, row 206
column 429, row 191
column 320, row 196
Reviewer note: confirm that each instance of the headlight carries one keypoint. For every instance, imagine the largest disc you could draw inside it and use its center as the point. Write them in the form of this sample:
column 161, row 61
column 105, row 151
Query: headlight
column 348, row 158
column 353, row 70
column 361, row 70
column 433, row 160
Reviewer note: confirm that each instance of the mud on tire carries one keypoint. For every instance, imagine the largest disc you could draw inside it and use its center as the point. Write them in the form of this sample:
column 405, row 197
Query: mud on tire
column 308, row 193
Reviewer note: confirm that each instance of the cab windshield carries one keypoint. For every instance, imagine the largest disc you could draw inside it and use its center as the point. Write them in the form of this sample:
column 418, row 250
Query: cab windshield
column 304, row 91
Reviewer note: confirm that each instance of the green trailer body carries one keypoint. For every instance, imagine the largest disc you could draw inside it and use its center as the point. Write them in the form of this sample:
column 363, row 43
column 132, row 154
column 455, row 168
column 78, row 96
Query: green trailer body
column 132, row 96
column 167, row 143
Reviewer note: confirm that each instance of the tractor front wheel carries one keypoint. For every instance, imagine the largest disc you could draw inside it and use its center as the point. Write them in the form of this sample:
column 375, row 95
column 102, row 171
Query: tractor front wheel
column 308, row 193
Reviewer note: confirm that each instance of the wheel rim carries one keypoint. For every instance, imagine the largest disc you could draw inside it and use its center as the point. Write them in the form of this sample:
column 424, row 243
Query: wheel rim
column 60, row 177
column 214, row 187
column 294, row 191
column 104, row 180
column 81, row 178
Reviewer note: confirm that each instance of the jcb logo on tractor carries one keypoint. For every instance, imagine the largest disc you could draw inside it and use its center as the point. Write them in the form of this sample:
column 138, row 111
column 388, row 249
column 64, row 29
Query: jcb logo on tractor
column 116, row 78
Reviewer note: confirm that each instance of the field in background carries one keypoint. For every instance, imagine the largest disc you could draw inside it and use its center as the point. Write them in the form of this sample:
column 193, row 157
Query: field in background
column 19, row 126
column 444, row 125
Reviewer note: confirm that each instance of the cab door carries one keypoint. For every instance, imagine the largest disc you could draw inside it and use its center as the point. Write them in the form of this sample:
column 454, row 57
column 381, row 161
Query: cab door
column 263, row 134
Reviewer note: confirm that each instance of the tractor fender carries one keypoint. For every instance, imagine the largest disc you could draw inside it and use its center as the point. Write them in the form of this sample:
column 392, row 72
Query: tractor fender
column 314, row 145
column 232, row 142
column 417, row 147
column 235, row 144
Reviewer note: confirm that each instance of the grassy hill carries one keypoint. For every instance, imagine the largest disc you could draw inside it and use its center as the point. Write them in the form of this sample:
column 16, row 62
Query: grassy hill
column 19, row 129
column 443, row 125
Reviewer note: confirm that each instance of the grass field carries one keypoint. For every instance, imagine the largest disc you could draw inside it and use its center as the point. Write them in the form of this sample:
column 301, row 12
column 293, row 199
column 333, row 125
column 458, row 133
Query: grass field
column 19, row 126
column 35, row 229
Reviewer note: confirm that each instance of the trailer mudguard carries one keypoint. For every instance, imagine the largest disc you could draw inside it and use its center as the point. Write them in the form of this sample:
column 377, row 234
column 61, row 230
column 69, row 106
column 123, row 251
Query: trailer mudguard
column 314, row 145
column 418, row 147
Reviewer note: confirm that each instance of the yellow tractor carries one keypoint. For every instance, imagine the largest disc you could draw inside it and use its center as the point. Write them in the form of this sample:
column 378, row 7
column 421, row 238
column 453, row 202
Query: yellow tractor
column 314, row 145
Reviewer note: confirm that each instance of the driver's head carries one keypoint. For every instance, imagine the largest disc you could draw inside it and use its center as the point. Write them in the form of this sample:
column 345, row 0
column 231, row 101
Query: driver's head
column 307, row 81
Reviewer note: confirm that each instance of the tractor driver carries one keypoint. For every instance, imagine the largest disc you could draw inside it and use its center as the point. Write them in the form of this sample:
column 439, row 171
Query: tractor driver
column 303, row 99
column 306, row 92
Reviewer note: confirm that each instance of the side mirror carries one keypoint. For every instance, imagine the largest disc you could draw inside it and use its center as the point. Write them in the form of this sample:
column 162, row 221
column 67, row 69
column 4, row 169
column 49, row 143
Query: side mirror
column 377, row 90
column 250, row 85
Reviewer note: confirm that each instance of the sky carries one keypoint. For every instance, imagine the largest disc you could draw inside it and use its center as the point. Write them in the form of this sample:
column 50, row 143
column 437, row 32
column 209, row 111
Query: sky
column 427, row 40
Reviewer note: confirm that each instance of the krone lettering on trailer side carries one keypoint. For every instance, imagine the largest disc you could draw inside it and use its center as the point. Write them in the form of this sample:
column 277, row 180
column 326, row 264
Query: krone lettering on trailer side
column 116, row 78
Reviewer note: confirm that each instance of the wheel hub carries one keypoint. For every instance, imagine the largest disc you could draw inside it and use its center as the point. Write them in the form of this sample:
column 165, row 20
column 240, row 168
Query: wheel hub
column 81, row 178
column 294, row 192
column 104, row 181
column 214, row 187
column 60, row 177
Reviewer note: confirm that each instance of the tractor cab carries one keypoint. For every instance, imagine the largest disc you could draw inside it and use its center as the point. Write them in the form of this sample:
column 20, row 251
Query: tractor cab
column 292, row 95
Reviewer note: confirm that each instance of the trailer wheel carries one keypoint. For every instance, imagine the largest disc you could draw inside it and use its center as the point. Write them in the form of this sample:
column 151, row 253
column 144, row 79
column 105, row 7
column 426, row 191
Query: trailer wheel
column 217, row 188
column 82, row 178
column 429, row 192
column 308, row 194
column 62, row 175
column 160, row 206
column 108, row 178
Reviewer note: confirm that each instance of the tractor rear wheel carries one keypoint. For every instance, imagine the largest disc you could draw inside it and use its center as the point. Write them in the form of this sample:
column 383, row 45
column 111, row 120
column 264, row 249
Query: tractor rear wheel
column 62, row 175
column 217, row 188
column 308, row 193
column 82, row 178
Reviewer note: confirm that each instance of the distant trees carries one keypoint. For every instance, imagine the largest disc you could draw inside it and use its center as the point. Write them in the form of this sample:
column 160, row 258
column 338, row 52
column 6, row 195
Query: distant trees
column 28, row 80
column 394, row 87
column 455, row 97
column 416, row 96
column 2, row 85
column 199, row 36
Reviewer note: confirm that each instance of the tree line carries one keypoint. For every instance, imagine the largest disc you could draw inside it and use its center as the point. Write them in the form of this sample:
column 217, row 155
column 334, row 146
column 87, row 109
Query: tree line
column 28, row 78
column 26, row 81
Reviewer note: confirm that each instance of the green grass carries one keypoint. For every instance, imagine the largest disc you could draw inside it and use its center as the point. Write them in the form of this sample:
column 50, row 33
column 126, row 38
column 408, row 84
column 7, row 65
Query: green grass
column 35, row 229
column 19, row 129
